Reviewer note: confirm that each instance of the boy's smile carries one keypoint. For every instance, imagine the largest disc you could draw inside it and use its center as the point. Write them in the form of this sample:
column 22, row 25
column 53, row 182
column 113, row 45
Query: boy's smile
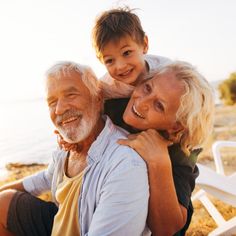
column 124, row 59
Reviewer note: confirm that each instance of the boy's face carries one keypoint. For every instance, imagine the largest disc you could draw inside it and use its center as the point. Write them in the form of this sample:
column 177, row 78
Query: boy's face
column 124, row 59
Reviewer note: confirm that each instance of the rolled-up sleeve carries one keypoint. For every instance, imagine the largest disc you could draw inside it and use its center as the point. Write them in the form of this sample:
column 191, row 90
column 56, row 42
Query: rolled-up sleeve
column 41, row 181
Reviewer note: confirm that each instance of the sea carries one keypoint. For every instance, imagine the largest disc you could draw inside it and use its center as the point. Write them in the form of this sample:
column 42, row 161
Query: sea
column 26, row 133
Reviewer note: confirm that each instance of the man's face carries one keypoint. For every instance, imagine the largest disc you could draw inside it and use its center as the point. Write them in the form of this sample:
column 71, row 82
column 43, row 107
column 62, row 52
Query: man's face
column 73, row 110
column 124, row 59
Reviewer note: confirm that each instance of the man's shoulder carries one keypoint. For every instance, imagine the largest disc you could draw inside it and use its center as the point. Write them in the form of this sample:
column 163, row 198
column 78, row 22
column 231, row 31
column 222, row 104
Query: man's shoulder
column 58, row 155
column 119, row 153
column 58, row 152
column 108, row 152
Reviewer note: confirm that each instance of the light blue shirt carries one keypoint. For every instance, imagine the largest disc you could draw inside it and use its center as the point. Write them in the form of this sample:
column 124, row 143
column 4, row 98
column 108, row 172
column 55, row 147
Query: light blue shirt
column 114, row 191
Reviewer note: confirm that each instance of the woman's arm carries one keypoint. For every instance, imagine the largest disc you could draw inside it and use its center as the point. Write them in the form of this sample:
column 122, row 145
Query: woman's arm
column 166, row 215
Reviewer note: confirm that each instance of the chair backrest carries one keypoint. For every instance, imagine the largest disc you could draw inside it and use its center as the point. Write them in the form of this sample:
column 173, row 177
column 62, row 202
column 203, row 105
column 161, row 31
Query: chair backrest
column 217, row 155
column 220, row 186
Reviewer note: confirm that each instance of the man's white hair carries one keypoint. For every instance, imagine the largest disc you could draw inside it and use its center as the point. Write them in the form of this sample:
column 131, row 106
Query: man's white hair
column 64, row 68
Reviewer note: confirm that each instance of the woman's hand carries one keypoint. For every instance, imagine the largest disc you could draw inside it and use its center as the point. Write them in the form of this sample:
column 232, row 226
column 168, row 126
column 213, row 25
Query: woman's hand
column 149, row 144
column 63, row 144
column 153, row 148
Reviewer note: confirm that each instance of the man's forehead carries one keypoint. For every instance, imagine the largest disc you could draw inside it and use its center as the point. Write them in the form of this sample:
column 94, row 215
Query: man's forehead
column 65, row 74
column 65, row 84
column 68, row 78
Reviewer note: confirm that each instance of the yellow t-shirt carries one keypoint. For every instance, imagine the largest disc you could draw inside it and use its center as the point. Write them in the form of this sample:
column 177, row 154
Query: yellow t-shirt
column 66, row 221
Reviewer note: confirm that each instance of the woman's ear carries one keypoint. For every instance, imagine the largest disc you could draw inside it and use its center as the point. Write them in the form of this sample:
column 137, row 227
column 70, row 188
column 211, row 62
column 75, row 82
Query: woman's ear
column 176, row 132
column 145, row 44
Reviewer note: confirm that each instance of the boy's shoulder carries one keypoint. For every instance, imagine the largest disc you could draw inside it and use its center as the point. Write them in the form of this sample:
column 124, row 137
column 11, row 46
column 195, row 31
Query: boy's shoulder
column 155, row 61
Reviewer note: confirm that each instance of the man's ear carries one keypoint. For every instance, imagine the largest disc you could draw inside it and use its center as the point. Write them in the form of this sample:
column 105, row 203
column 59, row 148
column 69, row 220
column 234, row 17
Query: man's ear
column 176, row 132
column 100, row 99
column 145, row 44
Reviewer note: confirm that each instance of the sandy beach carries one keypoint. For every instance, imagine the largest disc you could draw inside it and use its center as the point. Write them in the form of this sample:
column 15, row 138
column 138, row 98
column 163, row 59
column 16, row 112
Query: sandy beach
column 202, row 223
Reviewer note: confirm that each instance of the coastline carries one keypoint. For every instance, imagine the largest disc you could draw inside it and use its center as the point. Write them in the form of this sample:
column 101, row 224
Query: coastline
column 15, row 171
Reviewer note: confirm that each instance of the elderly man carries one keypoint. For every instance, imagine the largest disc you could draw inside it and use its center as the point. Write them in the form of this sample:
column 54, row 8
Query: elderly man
column 99, row 189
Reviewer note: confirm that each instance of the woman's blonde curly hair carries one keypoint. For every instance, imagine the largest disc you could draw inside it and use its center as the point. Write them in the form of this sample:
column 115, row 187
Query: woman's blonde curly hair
column 196, row 110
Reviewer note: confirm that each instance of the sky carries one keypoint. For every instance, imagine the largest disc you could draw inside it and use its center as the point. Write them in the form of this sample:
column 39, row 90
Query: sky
column 36, row 34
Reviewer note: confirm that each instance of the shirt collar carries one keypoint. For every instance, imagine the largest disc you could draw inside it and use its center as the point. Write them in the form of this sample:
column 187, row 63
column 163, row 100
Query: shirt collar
column 98, row 147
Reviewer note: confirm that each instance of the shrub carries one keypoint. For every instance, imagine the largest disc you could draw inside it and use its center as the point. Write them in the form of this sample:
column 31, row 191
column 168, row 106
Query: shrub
column 227, row 90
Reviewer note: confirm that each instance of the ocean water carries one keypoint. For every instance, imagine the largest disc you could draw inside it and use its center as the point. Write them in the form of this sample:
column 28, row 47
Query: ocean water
column 26, row 132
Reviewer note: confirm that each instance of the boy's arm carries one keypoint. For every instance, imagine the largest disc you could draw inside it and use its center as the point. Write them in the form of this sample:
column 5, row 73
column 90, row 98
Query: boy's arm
column 112, row 88
column 123, row 203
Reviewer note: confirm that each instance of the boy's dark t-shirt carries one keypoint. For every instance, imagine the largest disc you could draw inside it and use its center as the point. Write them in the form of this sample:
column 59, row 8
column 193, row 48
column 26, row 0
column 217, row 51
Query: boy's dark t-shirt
column 184, row 168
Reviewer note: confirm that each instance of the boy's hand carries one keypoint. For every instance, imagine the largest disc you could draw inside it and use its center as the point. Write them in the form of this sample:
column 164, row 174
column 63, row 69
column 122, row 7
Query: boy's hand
column 63, row 144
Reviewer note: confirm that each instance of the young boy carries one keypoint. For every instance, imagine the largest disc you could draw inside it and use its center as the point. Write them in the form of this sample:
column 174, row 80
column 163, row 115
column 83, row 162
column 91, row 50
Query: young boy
column 121, row 45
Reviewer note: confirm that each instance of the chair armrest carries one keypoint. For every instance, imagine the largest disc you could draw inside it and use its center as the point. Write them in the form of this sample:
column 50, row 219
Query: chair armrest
column 217, row 156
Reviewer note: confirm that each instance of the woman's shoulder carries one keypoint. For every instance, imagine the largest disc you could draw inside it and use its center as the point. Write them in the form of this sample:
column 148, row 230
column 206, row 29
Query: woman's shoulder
column 179, row 158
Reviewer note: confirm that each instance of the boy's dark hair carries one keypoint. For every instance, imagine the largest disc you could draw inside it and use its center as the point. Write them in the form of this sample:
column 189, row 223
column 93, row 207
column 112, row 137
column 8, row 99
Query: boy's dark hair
column 114, row 24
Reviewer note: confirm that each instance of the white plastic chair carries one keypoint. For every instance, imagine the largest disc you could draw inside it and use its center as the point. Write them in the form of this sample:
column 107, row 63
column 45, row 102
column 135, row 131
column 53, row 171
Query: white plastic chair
column 220, row 186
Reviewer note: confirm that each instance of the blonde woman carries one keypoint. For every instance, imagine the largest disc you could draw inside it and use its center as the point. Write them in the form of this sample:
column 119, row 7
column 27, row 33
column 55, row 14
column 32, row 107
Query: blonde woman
column 176, row 102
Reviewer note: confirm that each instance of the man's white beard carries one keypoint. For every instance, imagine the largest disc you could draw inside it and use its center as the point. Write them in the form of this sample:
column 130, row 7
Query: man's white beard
column 80, row 133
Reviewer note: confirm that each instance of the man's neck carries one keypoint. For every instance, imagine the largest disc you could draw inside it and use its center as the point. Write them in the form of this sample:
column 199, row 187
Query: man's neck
column 77, row 160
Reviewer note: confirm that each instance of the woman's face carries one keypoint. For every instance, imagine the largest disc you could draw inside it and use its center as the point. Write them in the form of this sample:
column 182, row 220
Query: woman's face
column 154, row 103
